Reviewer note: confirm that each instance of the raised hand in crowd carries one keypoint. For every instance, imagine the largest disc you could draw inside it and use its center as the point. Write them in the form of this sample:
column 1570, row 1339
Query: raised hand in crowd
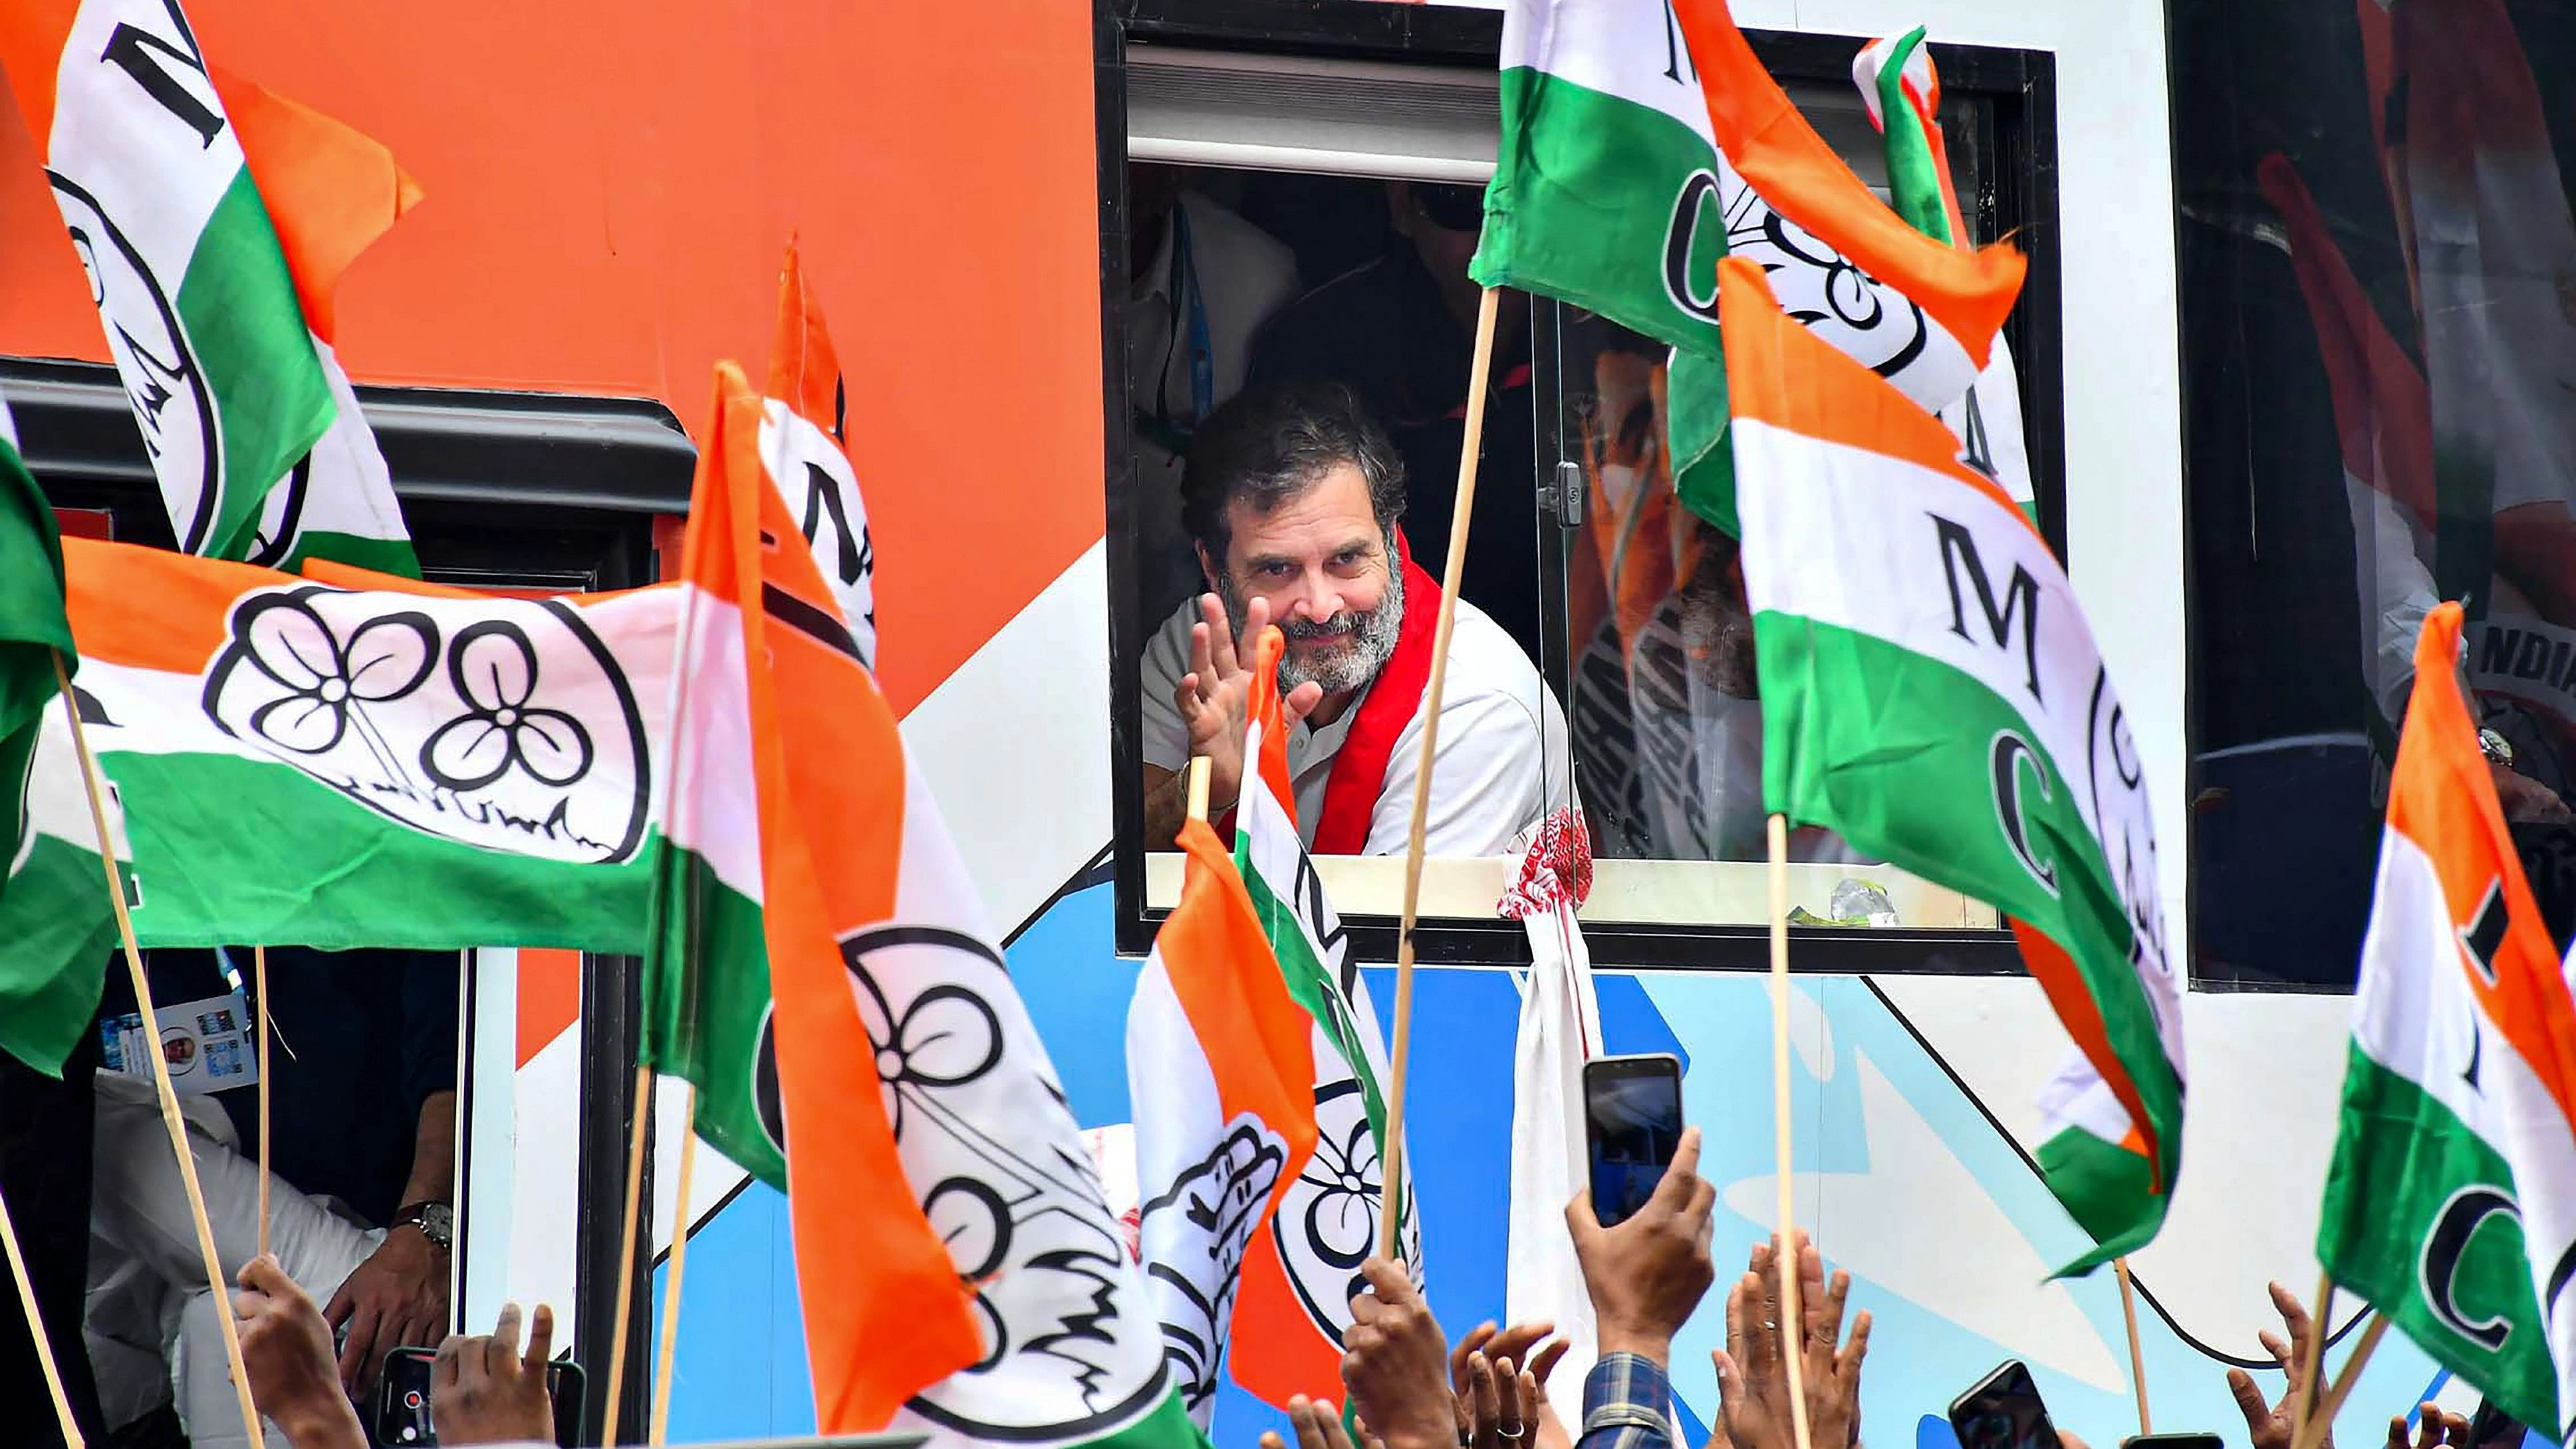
column 1647, row 1274
column 286, row 1350
column 1752, row 1373
column 2269, row 1422
column 1393, row 1363
column 1501, row 1350
column 484, row 1391
column 1317, row 1426
column 2435, row 1428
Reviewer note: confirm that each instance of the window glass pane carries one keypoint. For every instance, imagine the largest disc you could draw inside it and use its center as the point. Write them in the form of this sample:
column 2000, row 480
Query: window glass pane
column 2378, row 294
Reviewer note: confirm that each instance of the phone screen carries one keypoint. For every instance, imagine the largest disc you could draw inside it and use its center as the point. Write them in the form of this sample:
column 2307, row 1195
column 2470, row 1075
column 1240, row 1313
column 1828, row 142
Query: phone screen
column 405, row 1417
column 2173, row 1441
column 2003, row 1412
column 1632, row 1118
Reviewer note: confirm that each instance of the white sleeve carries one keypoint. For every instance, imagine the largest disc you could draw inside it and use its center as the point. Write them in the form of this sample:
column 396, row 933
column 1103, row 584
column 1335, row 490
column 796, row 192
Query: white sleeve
column 1487, row 781
column 1167, row 657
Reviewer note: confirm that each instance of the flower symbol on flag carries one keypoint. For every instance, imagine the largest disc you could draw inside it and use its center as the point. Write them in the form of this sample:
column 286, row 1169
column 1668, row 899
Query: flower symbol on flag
column 946, row 1037
column 494, row 670
column 324, row 677
column 1341, row 1216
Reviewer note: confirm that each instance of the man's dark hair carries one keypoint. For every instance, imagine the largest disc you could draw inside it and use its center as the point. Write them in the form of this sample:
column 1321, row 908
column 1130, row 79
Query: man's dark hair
column 1268, row 445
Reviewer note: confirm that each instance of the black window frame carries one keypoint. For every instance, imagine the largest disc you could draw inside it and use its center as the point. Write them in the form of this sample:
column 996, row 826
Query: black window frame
column 2015, row 122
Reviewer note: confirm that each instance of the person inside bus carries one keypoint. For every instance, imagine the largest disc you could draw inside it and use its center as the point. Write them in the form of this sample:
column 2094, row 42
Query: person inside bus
column 1292, row 495
column 1400, row 330
column 362, row 1153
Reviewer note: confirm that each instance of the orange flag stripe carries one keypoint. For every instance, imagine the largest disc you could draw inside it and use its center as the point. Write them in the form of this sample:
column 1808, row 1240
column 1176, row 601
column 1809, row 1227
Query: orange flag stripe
column 1259, row 1042
column 1779, row 373
column 330, row 189
column 32, row 36
column 885, row 1313
column 150, row 608
column 1774, row 149
column 804, row 371
column 2441, row 795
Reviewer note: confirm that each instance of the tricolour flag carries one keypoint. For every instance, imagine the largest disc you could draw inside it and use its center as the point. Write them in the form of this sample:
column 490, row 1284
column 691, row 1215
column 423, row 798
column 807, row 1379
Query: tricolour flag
column 1298, row 1276
column 330, row 191
column 1902, row 91
column 2451, row 1202
column 961, row 1273
column 715, row 1032
column 1931, row 691
column 398, row 765
column 1919, row 312
column 1221, row 1067
column 54, row 914
column 804, row 444
column 200, row 310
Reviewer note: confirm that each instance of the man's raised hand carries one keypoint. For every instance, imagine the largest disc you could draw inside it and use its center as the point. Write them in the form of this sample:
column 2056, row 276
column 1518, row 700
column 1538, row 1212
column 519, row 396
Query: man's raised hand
column 1214, row 698
column 1752, row 1380
column 486, row 1392
column 286, row 1350
column 1648, row 1273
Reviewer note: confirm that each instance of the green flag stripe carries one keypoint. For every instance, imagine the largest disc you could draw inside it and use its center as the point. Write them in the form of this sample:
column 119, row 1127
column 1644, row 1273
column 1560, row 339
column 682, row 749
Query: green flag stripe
column 1913, row 182
column 2403, row 1158
column 1583, row 202
column 346, row 877
column 247, row 331
column 1312, row 987
column 57, row 923
column 704, row 1004
column 2107, row 1189
column 384, row 555
column 1894, row 750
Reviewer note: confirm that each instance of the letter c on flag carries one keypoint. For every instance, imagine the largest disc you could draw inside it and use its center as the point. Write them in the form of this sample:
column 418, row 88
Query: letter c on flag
column 2007, row 756
column 2437, row 1268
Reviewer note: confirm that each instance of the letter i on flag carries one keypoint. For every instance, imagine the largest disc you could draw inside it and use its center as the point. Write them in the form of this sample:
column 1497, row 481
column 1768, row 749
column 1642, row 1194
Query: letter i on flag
column 200, row 311
column 1931, row 691
column 2450, row 1205
column 961, row 1273
column 1221, row 1067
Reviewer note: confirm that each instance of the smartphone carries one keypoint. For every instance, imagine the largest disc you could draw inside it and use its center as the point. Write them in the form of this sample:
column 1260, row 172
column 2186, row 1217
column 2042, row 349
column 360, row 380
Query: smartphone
column 406, row 1419
column 2173, row 1441
column 1632, row 1123
column 2003, row 1411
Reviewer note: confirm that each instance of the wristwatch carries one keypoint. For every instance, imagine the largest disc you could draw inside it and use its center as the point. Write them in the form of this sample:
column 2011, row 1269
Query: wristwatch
column 2495, row 747
column 436, row 1221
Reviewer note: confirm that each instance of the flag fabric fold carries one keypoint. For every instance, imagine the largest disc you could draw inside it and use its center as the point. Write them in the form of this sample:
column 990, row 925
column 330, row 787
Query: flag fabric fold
column 961, row 1273
column 1560, row 1030
column 804, row 445
column 1295, row 1300
column 54, row 914
column 1931, row 691
column 2450, row 1204
column 1221, row 1067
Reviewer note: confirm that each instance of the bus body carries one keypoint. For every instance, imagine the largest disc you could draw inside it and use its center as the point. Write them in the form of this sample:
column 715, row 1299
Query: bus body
column 608, row 190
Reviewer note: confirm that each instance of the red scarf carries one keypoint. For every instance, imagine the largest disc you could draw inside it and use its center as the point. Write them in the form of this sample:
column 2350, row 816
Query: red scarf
column 1359, row 770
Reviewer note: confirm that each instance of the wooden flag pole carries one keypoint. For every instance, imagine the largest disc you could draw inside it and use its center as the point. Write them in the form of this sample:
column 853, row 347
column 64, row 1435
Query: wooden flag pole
column 2322, row 1418
column 626, row 1254
column 1793, row 1322
column 660, row 1429
column 259, row 1016
column 2137, row 1359
column 170, row 1118
column 1480, row 373
column 2306, row 1388
column 36, row 1332
column 1198, row 796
